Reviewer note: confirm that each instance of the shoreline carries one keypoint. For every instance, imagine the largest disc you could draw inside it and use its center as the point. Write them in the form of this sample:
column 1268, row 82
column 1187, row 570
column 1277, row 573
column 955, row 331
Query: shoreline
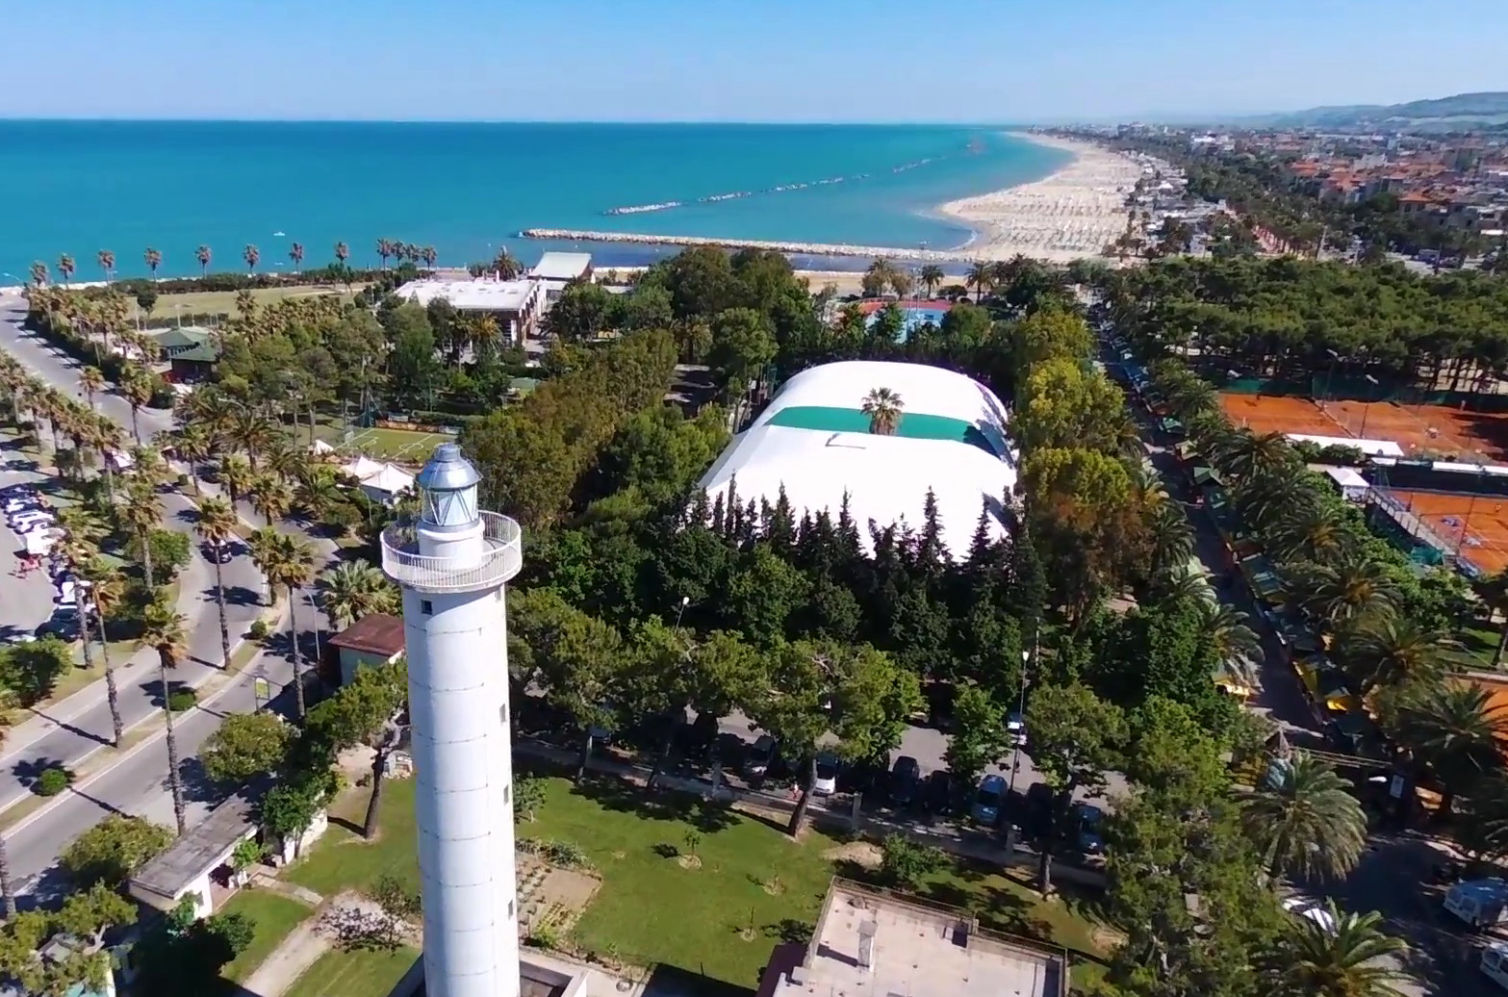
column 1071, row 213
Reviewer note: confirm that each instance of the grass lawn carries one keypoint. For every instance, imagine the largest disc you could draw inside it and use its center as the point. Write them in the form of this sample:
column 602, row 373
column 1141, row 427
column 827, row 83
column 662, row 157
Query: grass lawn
column 224, row 302
column 360, row 973
column 276, row 916
column 1480, row 644
column 650, row 910
column 399, row 445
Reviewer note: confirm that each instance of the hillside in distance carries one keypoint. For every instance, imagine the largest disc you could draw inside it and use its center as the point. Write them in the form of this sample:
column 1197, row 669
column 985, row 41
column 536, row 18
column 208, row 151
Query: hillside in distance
column 1459, row 112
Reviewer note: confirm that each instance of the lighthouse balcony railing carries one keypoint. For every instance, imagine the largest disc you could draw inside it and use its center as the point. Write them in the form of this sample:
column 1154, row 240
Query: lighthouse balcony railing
column 500, row 561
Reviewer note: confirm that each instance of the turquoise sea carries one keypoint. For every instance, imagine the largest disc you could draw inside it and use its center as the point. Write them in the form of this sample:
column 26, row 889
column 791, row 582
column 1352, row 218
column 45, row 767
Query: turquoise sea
column 80, row 186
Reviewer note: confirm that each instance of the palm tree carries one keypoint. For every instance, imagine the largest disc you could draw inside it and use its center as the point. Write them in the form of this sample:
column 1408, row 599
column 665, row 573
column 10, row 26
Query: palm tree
column 203, row 255
column 137, row 386
column 296, row 254
column 354, row 589
column 217, row 524
column 429, row 256
column 1311, row 532
column 1303, row 821
column 106, row 262
column 5, row 890
column 883, row 406
column 154, row 260
column 237, row 476
column 289, row 562
column 252, row 433
column 142, row 513
column 1233, row 642
column 162, row 631
column 38, row 273
column 931, row 276
column 66, row 267
column 1352, row 586
column 1246, row 453
column 384, row 250
column 92, row 381
column 1456, row 731
column 271, row 497
column 342, row 253
column 106, row 589
column 981, row 276
column 1337, row 954
column 193, row 446
column 252, row 255
column 1388, row 650
column 1171, row 539
column 1493, row 591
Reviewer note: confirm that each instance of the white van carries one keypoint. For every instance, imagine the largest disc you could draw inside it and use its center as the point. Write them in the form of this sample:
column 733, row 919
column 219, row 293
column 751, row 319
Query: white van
column 1480, row 903
column 1494, row 964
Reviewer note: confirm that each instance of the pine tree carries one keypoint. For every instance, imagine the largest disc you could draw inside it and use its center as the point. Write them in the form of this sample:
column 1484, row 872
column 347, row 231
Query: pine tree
column 931, row 551
column 1028, row 584
column 780, row 527
column 718, row 516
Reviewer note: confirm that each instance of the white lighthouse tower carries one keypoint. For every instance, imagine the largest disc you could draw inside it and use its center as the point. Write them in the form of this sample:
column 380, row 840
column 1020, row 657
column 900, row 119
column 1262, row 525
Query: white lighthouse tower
column 452, row 566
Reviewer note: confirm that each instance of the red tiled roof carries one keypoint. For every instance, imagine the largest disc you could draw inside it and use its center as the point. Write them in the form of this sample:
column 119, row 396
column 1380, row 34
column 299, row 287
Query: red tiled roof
column 378, row 633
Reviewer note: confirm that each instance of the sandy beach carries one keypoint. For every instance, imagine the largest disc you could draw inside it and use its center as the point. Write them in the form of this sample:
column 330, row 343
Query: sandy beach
column 1070, row 214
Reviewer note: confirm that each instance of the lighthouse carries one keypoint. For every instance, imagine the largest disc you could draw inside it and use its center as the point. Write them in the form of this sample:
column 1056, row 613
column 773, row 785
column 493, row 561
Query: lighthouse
column 452, row 566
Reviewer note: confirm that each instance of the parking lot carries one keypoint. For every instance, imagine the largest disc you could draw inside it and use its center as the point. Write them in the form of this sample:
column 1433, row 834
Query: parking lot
column 27, row 593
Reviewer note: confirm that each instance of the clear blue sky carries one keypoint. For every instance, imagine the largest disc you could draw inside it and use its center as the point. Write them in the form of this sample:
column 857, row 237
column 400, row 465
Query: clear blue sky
column 756, row 60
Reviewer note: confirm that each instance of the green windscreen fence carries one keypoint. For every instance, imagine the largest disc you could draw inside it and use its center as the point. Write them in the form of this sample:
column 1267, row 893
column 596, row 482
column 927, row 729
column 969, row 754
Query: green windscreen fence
column 914, row 425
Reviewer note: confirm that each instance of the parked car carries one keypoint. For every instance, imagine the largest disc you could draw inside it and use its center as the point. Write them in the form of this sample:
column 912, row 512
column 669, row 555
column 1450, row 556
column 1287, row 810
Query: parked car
column 863, row 776
column 827, row 774
column 64, row 623
column 905, row 774
column 759, row 757
column 1087, row 821
column 1015, row 729
column 1038, row 819
column 937, row 794
column 989, row 799
column 219, row 553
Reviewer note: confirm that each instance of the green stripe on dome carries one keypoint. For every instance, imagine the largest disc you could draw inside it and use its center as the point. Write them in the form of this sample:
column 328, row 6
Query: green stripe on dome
column 914, row 425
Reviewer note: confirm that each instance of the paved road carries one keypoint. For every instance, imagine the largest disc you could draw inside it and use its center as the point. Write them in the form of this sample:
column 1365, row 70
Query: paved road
column 135, row 783
column 27, row 602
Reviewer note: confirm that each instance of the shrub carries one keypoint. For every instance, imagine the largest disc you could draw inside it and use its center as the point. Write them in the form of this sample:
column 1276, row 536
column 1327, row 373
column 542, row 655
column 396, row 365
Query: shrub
column 907, row 861
column 53, row 781
column 544, row 936
column 565, row 854
column 259, row 630
column 113, row 849
column 182, row 699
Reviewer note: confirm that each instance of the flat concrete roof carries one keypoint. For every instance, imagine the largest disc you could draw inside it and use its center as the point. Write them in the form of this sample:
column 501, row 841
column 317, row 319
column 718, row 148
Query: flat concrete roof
column 472, row 295
column 919, row 950
column 200, row 849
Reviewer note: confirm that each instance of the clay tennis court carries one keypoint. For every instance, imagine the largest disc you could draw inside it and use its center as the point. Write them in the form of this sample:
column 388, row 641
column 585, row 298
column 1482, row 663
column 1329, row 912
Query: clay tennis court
column 1439, row 429
column 1475, row 526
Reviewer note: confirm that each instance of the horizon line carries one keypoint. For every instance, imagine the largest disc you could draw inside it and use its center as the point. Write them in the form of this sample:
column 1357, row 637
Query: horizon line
column 97, row 119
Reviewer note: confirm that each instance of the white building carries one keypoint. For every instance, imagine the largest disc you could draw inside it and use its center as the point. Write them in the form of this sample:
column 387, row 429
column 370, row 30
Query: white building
column 452, row 567
column 870, row 943
column 555, row 270
column 813, row 440
column 515, row 304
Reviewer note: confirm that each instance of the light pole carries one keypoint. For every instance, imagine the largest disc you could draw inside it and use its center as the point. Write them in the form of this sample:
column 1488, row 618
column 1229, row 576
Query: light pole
column 1334, row 359
column 1366, row 409
column 1016, row 735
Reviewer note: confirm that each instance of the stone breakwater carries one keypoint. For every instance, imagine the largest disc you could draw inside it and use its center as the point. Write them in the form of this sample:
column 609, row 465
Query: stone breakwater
column 799, row 248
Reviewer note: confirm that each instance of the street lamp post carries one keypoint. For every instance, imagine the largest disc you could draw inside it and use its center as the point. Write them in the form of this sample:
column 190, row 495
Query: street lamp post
column 1010, row 795
column 1334, row 359
column 1366, row 409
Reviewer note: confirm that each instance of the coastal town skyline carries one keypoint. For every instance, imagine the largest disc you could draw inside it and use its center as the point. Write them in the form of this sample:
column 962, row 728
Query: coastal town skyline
column 587, row 61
